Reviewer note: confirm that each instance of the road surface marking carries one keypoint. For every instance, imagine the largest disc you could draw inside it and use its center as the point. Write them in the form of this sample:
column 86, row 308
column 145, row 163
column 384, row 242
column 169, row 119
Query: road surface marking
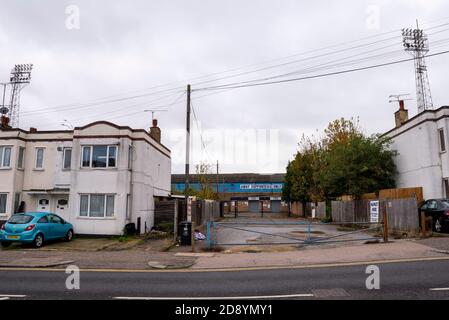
column 283, row 296
column 439, row 289
column 9, row 296
column 323, row 265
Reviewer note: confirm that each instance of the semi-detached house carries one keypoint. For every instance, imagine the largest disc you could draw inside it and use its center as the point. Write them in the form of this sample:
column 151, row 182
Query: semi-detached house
column 99, row 177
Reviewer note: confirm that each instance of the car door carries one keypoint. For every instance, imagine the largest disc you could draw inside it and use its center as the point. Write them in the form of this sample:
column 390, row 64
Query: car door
column 432, row 207
column 43, row 225
column 57, row 226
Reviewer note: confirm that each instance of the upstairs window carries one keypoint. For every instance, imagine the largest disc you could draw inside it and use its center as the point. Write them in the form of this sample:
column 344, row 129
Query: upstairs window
column 39, row 158
column 5, row 157
column 99, row 157
column 21, row 159
column 442, row 140
column 67, row 158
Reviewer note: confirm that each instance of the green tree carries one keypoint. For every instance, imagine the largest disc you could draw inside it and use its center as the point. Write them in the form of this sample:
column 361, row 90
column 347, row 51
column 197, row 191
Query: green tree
column 359, row 165
column 342, row 161
column 203, row 171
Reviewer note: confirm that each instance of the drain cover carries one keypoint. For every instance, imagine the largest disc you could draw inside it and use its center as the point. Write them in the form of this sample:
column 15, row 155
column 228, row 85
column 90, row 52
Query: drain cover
column 330, row 293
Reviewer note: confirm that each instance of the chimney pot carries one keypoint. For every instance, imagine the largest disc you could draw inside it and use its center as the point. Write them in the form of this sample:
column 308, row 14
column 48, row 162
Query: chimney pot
column 155, row 131
column 401, row 116
column 4, row 122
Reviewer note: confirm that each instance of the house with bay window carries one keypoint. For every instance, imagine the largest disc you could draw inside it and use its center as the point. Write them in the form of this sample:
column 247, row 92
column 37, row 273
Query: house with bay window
column 99, row 177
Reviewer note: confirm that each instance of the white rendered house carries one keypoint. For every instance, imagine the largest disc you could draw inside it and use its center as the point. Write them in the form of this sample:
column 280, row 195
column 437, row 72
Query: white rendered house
column 422, row 144
column 99, row 177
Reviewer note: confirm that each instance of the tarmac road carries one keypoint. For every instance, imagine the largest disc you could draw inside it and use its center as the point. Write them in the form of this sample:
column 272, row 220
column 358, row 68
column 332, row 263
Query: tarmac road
column 404, row 280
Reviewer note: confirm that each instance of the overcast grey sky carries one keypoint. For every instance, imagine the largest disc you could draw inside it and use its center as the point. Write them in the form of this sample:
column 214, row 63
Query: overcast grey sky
column 126, row 48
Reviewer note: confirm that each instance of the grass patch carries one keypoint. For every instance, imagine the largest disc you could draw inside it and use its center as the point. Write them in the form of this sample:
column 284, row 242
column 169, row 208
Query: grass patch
column 165, row 226
column 213, row 249
column 156, row 235
column 122, row 238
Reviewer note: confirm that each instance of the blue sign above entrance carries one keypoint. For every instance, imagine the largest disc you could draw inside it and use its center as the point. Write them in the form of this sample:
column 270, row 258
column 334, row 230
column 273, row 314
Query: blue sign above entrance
column 236, row 187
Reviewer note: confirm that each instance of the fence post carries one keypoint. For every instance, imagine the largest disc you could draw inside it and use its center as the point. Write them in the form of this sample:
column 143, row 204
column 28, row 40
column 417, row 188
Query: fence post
column 193, row 236
column 308, row 232
column 423, row 225
column 236, row 203
column 175, row 224
column 385, row 222
column 208, row 235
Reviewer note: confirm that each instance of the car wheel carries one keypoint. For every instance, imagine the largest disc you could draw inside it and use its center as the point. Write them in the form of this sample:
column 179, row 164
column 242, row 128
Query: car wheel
column 5, row 244
column 38, row 241
column 69, row 235
column 437, row 227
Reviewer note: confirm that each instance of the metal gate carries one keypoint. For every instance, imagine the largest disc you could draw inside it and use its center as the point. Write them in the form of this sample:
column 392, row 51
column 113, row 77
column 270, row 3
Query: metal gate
column 308, row 235
column 275, row 206
column 253, row 206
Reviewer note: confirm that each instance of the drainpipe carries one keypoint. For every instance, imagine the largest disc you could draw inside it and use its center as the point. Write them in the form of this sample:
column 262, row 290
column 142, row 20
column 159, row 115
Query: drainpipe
column 130, row 169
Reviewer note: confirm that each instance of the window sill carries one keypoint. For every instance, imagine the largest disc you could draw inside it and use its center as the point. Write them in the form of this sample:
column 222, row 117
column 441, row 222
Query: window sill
column 96, row 218
column 93, row 169
column 38, row 169
column 5, row 168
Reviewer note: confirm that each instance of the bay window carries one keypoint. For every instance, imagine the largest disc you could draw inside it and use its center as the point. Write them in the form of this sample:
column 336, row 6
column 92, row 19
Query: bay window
column 97, row 205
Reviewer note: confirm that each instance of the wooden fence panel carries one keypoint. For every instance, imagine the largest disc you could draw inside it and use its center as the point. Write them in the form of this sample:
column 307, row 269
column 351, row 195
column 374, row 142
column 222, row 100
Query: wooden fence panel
column 164, row 211
column 321, row 210
column 402, row 213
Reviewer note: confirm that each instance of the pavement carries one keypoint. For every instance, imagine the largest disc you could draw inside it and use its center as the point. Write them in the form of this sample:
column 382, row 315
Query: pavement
column 138, row 259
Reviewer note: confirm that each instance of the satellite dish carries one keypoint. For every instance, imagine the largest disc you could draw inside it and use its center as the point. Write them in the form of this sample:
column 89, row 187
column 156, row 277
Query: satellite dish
column 4, row 110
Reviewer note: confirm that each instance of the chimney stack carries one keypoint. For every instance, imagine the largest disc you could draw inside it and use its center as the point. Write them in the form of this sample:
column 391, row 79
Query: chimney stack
column 4, row 122
column 401, row 116
column 33, row 130
column 155, row 131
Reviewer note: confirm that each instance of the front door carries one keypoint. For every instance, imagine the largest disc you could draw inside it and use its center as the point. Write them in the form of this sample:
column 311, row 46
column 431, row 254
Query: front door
column 43, row 204
column 62, row 205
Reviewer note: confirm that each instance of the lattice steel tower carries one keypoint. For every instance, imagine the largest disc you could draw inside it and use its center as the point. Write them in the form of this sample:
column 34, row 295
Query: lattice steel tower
column 416, row 43
column 20, row 77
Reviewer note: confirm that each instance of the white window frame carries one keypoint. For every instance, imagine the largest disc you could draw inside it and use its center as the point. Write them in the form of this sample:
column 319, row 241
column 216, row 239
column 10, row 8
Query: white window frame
column 105, row 195
column 442, row 143
column 91, row 147
column 21, row 164
column 43, row 158
column 64, row 158
column 6, row 202
column 2, row 157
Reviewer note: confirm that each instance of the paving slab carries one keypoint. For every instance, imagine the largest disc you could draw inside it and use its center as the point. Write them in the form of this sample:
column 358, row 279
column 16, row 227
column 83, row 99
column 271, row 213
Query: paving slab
column 347, row 254
column 35, row 263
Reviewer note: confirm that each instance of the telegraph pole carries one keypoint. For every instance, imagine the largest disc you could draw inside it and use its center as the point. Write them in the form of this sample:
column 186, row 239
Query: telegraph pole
column 187, row 184
column 218, row 198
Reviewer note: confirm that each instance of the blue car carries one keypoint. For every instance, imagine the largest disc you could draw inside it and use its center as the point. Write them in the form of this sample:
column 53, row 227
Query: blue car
column 35, row 228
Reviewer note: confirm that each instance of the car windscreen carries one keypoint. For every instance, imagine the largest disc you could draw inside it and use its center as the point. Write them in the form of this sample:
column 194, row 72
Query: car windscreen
column 20, row 219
